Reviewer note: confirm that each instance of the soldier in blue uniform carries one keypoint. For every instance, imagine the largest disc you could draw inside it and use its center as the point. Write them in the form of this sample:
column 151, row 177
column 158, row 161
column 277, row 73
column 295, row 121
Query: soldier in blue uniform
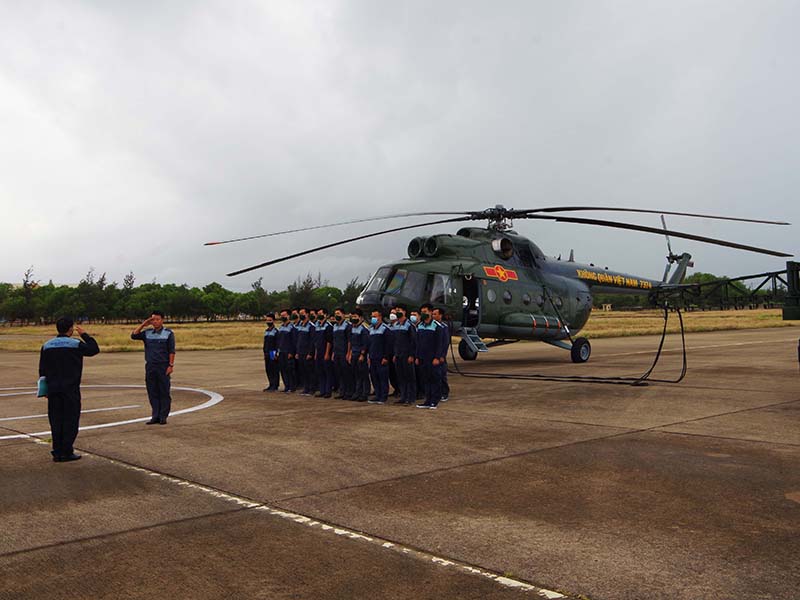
column 286, row 345
column 380, row 352
column 61, row 364
column 271, row 354
column 323, row 362
column 415, row 321
column 440, row 316
column 340, row 342
column 159, row 357
column 304, row 350
column 430, row 344
column 357, row 356
column 405, row 350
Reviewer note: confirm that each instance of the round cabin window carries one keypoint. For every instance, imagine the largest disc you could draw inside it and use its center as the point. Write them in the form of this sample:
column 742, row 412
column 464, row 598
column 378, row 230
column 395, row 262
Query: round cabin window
column 559, row 302
column 491, row 296
column 526, row 298
column 507, row 297
column 540, row 300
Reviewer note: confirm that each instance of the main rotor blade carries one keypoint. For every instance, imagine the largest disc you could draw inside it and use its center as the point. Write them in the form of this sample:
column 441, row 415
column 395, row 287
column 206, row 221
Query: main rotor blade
column 680, row 234
column 347, row 241
column 552, row 209
column 351, row 222
column 669, row 246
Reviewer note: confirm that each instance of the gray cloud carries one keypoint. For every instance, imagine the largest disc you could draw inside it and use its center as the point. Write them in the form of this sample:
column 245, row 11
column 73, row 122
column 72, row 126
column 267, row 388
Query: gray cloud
column 133, row 133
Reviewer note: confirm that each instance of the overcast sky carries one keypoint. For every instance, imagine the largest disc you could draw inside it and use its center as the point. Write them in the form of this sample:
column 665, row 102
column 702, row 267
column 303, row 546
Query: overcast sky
column 132, row 132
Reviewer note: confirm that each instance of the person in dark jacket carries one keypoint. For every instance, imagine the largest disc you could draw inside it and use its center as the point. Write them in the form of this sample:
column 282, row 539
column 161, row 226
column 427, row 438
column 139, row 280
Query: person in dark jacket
column 415, row 321
column 286, row 345
column 340, row 346
column 405, row 350
column 379, row 351
column 440, row 316
column 61, row 364
column 323, row 362
column 159, row 357
column 430, row 347
column 271, row 354
column 359, row 343
column 304, row 350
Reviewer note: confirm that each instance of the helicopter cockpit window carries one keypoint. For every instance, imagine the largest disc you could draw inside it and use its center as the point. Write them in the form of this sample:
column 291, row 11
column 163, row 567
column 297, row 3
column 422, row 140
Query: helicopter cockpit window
column 440, row 289
column 378, row 280
column 523, row 252
column 414, row 288
column 397, row 281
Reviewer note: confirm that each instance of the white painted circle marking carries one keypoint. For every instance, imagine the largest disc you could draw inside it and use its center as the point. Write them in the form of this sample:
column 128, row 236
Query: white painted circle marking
column 213, row 398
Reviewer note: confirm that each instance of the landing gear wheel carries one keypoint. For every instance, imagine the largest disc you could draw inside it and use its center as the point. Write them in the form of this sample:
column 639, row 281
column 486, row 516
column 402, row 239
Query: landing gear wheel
column 466, row 352
column 581, row 350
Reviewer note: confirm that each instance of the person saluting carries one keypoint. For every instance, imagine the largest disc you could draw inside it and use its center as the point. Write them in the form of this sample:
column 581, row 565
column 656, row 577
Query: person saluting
column 61, row 364
column 159, row 357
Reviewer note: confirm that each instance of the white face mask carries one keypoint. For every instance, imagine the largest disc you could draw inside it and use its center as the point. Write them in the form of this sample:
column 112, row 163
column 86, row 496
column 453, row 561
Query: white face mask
column 392, row 317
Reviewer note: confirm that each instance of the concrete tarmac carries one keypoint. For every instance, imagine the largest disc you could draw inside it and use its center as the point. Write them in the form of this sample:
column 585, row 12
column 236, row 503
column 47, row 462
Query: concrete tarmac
column 514, row 488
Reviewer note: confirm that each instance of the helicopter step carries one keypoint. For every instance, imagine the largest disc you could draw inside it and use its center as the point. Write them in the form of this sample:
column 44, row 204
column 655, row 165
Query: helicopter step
column 470, row 344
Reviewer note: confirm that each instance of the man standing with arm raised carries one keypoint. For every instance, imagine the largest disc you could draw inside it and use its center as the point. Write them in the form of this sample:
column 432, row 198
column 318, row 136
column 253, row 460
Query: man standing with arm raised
column 159, row 357
column 61, row 364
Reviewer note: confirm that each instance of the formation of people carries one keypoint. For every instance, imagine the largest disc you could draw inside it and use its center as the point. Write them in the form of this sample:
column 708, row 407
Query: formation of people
column 359, row 357
column 351, row 355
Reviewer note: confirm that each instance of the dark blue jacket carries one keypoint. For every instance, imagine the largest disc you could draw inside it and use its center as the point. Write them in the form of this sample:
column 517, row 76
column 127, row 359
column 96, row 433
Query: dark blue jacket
column 304, row 342
column 430, row 341
column 405, row 339
column 380, row 342
column 445, row 340
column 61, row 361
column 322, row 336
column 359, row 340
column 158, row 345
column 270, row 340
column 341, row 338
column 286, row 339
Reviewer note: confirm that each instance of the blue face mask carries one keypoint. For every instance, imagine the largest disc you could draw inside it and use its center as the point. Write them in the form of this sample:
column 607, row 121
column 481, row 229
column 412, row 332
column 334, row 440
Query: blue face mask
column 413, row 318
column 374, row 320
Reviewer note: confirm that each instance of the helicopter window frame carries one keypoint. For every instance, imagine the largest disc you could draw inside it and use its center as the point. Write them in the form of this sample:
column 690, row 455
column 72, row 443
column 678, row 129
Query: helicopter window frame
column 491, row 295
column 441, row 289
column 393, row 286
column 379, row 280
column 415, row 287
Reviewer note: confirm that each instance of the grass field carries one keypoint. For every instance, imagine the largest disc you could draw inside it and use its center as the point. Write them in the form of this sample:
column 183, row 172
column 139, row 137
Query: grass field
column 242, row 335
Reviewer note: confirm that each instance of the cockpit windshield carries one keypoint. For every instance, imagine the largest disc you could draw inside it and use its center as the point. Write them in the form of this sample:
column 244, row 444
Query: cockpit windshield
column 378, row 280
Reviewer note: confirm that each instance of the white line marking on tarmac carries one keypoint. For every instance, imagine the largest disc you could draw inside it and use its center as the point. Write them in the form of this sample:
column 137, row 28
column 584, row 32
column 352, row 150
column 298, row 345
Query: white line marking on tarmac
column 213, row 398
column 91, row 410
column 336, row 530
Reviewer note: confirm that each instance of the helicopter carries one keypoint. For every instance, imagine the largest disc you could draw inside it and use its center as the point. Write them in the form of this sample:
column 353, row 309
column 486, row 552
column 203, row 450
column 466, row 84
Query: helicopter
column 497, row 284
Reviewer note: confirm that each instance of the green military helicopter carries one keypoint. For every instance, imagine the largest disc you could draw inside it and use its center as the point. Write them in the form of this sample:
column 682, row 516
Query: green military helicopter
column 497, row 284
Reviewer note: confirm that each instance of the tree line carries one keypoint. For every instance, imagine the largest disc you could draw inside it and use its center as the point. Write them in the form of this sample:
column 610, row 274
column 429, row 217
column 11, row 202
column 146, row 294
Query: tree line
column 97, row 299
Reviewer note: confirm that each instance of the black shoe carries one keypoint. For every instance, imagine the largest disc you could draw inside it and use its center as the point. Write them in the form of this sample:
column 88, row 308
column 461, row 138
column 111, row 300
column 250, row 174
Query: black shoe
column 266, row 389
column 399, row 402
column 67, row 458
column 318, row 395
column 162, row 422
column 327, row 396
column 153, row 422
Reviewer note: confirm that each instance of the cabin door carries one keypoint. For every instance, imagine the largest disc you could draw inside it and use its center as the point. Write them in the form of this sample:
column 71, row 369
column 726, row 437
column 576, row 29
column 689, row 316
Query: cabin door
column 471, row 301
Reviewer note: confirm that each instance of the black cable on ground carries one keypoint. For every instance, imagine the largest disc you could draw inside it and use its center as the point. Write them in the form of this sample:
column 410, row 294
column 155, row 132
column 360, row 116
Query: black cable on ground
column 641, row 380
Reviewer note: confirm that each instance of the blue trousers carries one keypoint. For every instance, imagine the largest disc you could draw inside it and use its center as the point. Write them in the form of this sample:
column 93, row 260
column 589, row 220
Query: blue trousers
column 380, row 379
column 406, row 379
column 158, row 384
column 432, row 378
column 286, row 366
column 324, row 369
column 64, row 412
